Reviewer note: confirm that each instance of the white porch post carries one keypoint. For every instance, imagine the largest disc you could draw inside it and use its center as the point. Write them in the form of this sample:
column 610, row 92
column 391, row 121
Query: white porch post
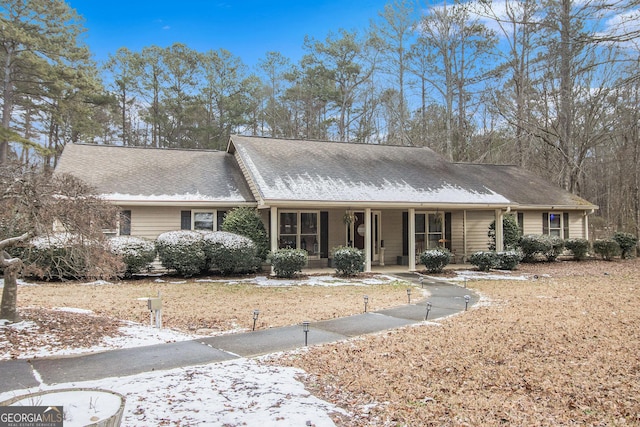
column 274, row 231
column 412, row 239
column 499, row 230
column 367, row 240
column 586, row 225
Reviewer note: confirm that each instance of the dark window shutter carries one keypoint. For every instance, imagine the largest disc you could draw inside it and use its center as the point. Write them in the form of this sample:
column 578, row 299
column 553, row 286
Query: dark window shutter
column 405, row 233
column 545, row 223
column 521, row 222
column 324, row 234
column 565, row 224
column 447, row 230
column 185, row 220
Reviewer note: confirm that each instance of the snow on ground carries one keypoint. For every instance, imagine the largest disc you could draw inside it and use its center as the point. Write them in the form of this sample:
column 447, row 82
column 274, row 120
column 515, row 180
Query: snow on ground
column 232, row 393
column 465, row 275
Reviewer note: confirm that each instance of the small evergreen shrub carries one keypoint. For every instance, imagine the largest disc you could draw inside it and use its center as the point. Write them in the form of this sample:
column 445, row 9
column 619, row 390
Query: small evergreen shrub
column 510, row 233
column 348, row 261
column 484, row 260
column 606, row 248
column 578, row 247
column 435, row 260
column 627, row 243
column 229, row 252
column 533, row 245
column 136, row 253
column 246, row 221
column 287, row 262
column 557, row 246
column 182, row 251
column 508, row 260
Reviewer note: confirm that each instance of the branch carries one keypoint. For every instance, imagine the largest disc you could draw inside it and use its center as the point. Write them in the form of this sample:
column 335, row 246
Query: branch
column 8, row 242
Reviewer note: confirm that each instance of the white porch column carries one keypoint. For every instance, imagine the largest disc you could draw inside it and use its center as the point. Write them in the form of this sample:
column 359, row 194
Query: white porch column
column 499, row 230
column 412, row 239
column 367, row 240
column 274, row 231
column 586, row 225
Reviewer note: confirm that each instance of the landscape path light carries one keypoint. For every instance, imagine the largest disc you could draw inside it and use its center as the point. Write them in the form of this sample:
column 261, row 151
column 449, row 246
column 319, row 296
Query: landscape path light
column 305, row 329
column 366, row 301
column 428, row 310
column 409, row 295
column 421, row 280
column 467, row 298
column 256, row 313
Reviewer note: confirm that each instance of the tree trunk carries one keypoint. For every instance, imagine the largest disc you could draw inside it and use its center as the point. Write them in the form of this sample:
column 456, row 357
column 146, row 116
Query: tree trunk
column 9, row 308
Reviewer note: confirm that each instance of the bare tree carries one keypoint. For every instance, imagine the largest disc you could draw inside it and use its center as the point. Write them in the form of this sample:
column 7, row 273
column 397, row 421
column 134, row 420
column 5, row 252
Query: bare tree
column 36, row 204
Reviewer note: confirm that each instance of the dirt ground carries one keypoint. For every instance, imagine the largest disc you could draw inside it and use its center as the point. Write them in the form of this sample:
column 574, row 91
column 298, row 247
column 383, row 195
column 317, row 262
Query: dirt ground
column 561, row 349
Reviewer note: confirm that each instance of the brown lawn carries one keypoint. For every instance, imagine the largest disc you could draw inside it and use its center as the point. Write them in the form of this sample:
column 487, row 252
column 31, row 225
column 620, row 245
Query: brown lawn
column 557, row 351
column 560, row 350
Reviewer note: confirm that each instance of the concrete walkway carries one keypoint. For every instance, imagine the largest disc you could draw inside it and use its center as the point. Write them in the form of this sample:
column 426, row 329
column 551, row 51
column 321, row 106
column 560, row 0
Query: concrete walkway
column 445, row 299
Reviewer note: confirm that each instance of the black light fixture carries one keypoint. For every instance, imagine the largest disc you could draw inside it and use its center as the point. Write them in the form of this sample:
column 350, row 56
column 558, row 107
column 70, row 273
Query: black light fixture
column 428, row 310
column 366, row 301
column 305, row 329
column 467, row 298
column 256, row 313
column 409, row 295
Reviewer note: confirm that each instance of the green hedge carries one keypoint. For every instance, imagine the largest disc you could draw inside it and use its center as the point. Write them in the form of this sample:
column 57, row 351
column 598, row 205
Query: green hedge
column 182, row 251
column 435, row 260
column 287, row 262
column 348, row 261
column 229, row 252
column 137, row 253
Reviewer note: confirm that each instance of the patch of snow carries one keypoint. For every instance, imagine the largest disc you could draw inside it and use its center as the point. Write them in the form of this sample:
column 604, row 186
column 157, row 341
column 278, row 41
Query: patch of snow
column 98, row 283
column 234, row 196
column 73, row 310
column 464, row 275
column 237, row 392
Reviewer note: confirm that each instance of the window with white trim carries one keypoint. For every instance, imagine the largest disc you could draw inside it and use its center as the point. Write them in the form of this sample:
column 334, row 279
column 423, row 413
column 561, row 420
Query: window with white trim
column 202, row 219
column 300, row 230
column 556, row 224
column 429, row 231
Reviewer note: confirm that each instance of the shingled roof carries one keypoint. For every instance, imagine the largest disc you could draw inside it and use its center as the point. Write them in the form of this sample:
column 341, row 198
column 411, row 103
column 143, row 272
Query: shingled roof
column 289, row 171
column 134, row 174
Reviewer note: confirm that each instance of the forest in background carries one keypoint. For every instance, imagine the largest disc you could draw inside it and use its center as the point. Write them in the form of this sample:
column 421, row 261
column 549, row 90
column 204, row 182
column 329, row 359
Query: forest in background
column 551, row 86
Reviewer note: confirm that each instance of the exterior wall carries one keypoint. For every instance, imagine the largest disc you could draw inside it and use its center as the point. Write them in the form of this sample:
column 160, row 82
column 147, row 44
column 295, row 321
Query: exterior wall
column 576, row 225
column 457, row 236
column 477, row 228
column 532, row 223
column 149, row 222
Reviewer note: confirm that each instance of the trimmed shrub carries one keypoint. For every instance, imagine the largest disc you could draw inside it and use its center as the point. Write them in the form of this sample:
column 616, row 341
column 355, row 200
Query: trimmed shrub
column 557, row 246
column 435, row 259
column 287, row 262
column 348, row 261
column 137, row 253
column 606, row 248
column 510, row 233
column 247, row 222
column 534, row 245
column 627, row 243
column 578, row 247
column 229, row 252
column 508, row 260
column 182, row 251
column 484, row 260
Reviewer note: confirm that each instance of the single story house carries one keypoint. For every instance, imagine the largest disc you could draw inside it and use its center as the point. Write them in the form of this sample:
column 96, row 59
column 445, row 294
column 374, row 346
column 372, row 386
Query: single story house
column 391, row 201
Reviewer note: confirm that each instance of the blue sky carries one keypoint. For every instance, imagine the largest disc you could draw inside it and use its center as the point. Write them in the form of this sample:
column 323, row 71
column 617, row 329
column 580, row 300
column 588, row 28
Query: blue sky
column 246, row 28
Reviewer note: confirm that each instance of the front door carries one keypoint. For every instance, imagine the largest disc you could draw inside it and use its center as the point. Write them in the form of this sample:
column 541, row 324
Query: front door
column 357, row 230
